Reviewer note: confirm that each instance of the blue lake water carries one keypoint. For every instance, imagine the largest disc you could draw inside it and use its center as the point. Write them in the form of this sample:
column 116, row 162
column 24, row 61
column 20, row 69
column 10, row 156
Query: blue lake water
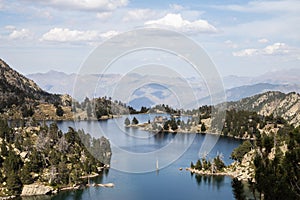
column 138, row 152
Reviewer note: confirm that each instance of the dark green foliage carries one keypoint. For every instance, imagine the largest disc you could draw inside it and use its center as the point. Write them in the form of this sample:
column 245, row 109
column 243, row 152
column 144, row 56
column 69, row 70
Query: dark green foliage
column 238, row 123
column 63, row 173
column 238, row 189
column 278, row 178
column 14, row 184
column 4, row 151
column 134, row 121
column 4, row 129
column 203, row 128
column 59, row 111
column 89, row 110
column 27, row 111
column 206, row 164
column 105, row 106
column 268, row 143
column 64, row 156
column 171, row 123
column 144, row 109
column 239, row 152
column 219, row 164
column 36, row 162
column 198, row 165
column 192, row 165
column 25, row 175
column 166, row 109
column 12, row 163
column 127, row 122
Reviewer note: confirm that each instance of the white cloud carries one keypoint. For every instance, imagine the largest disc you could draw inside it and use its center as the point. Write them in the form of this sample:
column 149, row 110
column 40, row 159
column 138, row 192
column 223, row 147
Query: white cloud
column 104, row 15
column 245, row 52
column 109, row 34
column 97, row 5
column 10, row 27
column 176, row 22
column 138, row 14
column 176, row 7
column 19, row 34
column 263, row 40
column 274, row 49
column 264, row 6
column 231, row 44
column 67, row 35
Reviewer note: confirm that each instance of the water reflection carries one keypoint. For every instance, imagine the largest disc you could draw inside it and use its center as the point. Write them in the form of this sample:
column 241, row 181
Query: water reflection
column 142, row 186
column 215, row 181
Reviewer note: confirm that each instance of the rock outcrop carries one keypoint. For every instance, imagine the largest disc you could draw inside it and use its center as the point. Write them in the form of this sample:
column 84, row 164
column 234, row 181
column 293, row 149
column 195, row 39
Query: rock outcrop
column 279, row 104
column 36, row 189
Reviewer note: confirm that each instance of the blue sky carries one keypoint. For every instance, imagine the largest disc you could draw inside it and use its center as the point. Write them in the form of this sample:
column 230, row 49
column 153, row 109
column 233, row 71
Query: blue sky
column 245, row 38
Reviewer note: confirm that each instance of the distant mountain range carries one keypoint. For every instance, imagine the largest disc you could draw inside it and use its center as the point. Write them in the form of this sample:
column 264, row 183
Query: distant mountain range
column 151, row 94
column 18, row 91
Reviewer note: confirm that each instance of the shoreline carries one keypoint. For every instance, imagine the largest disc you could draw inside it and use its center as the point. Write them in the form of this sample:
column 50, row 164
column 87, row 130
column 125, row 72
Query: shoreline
column 143, row 127
column 209, row 173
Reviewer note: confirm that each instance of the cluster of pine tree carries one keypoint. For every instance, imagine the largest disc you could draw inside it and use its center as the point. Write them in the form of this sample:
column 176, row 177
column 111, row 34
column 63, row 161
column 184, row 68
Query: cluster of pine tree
column 239, row 123
column 44, row 154
column 216, row 165
column 276, row 165
column 277, row 170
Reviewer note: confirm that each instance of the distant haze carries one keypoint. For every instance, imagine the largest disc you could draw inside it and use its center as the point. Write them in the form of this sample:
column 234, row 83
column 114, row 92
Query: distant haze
column 236, row 87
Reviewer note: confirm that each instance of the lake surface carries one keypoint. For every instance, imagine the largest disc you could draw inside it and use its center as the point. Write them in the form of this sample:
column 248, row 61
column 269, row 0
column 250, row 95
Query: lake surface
column 139, row 152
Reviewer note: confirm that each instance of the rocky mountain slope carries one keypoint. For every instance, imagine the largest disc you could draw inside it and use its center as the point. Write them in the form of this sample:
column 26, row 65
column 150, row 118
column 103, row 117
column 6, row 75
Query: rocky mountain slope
column 17, row 89
column 268, row 103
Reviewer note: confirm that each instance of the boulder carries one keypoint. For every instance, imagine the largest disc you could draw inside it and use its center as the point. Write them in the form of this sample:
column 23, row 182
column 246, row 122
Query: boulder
column 36, row 189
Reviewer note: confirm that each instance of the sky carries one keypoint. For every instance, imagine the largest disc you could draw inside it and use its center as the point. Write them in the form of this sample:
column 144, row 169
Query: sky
column 244, row 38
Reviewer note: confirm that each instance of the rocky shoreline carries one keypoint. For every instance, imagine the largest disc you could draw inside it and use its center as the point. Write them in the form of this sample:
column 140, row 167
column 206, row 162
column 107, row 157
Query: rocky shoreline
column 193, row 130
column 243, row 171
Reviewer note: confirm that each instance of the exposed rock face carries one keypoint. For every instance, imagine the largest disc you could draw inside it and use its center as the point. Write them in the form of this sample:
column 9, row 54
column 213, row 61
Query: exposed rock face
column 245, row 169
column 12, row 77
column 66, row 100
column 276, row 103
column 35, row 189
column 17, row 89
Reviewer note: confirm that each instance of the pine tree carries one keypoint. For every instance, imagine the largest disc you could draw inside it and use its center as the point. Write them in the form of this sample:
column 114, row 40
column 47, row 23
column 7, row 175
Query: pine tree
column 127, row 122
column 198, row 165
column 59, row 111
column 14, row 184
column 203, row 128
column 135, row 121
column 238, row 189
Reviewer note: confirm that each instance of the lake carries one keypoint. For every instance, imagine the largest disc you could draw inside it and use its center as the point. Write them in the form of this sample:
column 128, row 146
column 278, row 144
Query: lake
column 137, row 153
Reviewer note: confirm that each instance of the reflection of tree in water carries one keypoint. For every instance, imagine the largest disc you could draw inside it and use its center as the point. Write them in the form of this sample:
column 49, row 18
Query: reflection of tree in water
column 198, row 179
column 75, row 195
column 218, row 181
column 106, row 172
column 42, row 197
column 209, row 180
column 162, row 137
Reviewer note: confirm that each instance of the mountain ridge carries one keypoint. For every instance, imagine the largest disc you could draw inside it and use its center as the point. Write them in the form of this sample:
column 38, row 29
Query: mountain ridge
column 16, row 89
column 274, row 103
column 236, row 87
